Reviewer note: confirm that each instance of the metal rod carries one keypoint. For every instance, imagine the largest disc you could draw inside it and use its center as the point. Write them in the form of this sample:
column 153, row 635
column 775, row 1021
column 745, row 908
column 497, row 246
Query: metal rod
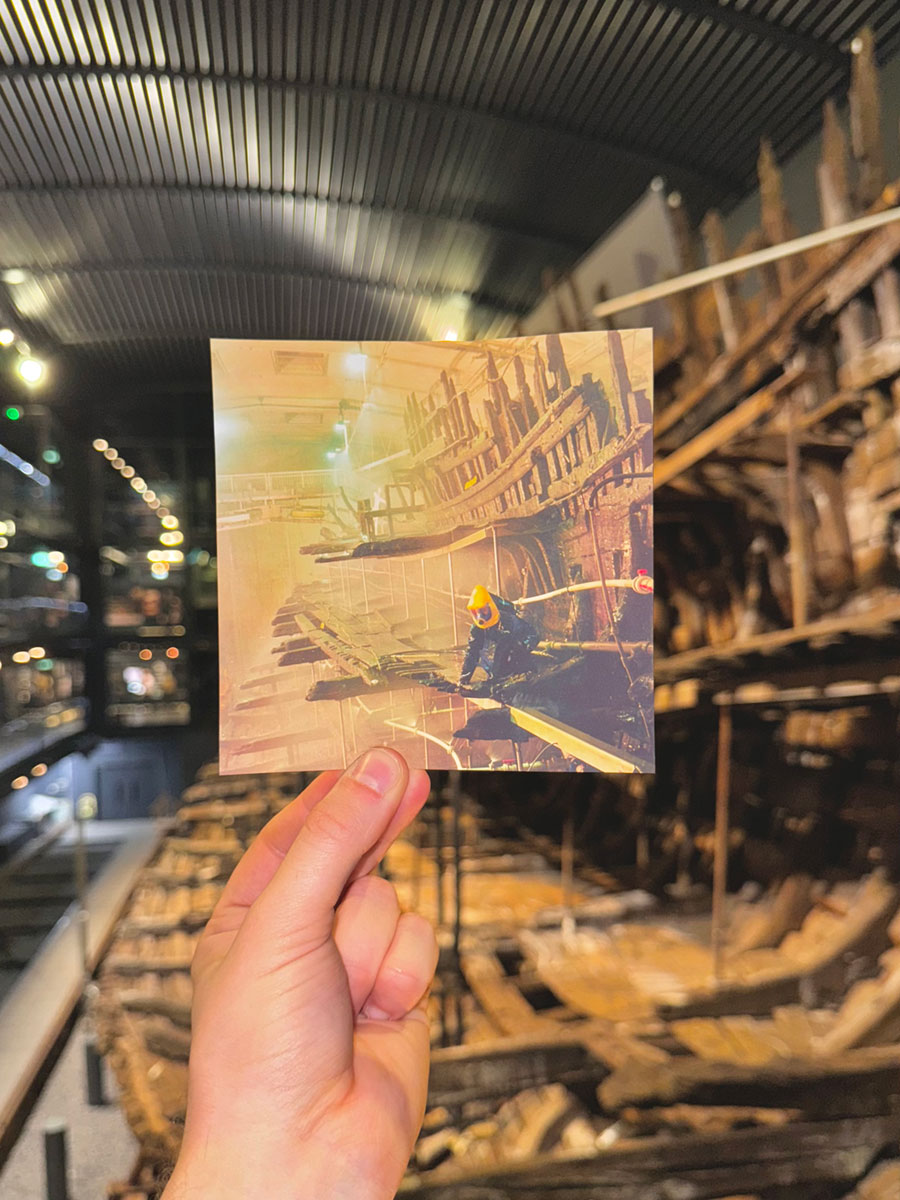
column 81, row 885
column 591, row 585
column 746, row 262
column 567, row 870
column 796, row 530
column 600, row 647
column 96, row 1095
column 452, row 599
column 56, row 1160
column 456, row 800
column 720, row 851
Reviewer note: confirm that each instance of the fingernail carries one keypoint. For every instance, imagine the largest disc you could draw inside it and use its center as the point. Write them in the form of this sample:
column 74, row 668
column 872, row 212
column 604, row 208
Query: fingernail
column 376, row 770
column 374, row 1013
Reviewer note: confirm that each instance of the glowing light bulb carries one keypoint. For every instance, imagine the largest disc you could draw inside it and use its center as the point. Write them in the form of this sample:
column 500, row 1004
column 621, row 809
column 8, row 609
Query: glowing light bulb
column 169, row 521
column 100, row 444
column 31, row 369
column 7, row 337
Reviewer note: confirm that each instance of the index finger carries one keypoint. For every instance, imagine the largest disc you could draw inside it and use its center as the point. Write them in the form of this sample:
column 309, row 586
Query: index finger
column 343, row 837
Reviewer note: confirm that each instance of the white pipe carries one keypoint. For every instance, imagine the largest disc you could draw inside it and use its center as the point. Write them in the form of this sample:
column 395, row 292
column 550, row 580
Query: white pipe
column 578, row 587
column 431, row 738
column 746, row 262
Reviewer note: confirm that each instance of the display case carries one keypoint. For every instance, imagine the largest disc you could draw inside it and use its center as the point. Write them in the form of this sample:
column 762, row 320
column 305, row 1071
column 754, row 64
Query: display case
column 157, row 581
column 43, row 616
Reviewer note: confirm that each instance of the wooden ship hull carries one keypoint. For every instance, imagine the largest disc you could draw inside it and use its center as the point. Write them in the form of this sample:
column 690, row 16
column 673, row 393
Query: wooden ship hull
column 606, row 1047
column 572, row 1074
column 551, row 486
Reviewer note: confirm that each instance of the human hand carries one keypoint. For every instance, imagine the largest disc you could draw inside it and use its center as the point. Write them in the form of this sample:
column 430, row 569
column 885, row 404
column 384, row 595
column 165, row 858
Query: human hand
column 310, row 1044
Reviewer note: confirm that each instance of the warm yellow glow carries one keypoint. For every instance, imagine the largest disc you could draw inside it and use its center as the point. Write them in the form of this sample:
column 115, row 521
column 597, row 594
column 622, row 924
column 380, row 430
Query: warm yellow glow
column 7, row 337
column 21, row 656
column 19, row 782
column 55, row 557
column 138, row 484
column 118, row 463
column 169, row 521
column 159, row 570
column 31, row 370
column 165, row 556
column 146, row 655
column 110, row 453
column 173, row 538
column 154, row 504
column 450, row 335
column 149, row 496
column 37, row 652
column 127, row 472
column 100, row 444
column 38, row 770
column 172, row 652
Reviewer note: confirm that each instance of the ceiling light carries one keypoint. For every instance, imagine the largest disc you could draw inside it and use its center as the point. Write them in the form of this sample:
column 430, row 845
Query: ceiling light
column 21, row 656
column 110, row 453
column 14, row 275
column 173, row 537
column 118, row 463
column 100, row 444
column 37, row 652
column 7, row 337
column 450, row 335
column 31, row 369
column 355, row 365
column 149, row 496
column 138, row 484
column 19, row 782
column 169, row 521
column 127, row 472
column 159, row 570
column 38, row 770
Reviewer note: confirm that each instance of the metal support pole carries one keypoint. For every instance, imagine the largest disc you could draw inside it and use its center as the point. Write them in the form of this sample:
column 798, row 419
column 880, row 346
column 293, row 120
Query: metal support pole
column 796, row 531
column 56, row 1160
column 452, row 598
column 720, row 852
column 567, row 871
column 81, row 884
column 455, row 792
column 94, row 1071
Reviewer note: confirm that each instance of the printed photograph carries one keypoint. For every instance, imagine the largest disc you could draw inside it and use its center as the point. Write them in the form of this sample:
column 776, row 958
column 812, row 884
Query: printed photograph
column 442, row 546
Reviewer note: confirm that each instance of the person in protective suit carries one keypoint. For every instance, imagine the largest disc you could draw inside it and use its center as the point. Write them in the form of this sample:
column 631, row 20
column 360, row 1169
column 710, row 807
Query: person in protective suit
column 500, row 641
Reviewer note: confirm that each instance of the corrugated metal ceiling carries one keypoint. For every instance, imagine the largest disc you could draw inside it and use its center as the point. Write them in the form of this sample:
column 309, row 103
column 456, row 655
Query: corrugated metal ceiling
column 176, row 169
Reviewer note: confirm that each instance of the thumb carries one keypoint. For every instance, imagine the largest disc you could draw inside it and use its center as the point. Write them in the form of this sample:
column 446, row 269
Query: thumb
column 297, row 907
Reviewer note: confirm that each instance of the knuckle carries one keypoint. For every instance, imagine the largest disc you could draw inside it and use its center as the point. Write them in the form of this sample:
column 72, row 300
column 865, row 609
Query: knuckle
column 327, row 824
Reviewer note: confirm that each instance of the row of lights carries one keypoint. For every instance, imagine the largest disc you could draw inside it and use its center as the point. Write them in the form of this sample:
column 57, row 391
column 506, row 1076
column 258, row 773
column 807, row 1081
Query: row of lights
column 146, row 654
column 30, row 369
column 171, row 535
column 22, row 781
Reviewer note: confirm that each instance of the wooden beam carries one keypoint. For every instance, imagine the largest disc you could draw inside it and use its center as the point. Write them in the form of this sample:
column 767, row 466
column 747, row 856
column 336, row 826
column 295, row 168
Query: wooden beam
column 577, row 744
column 724, row 430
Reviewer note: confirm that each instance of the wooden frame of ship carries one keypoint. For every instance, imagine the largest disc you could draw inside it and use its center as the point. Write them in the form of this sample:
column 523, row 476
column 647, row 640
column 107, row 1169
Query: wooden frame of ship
column 554, row 481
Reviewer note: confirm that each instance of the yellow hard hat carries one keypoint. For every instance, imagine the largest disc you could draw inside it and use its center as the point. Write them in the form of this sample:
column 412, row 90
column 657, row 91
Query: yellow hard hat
column 483, row 609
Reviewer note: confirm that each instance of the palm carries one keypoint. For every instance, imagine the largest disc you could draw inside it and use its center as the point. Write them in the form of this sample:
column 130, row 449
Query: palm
column 313, row 996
